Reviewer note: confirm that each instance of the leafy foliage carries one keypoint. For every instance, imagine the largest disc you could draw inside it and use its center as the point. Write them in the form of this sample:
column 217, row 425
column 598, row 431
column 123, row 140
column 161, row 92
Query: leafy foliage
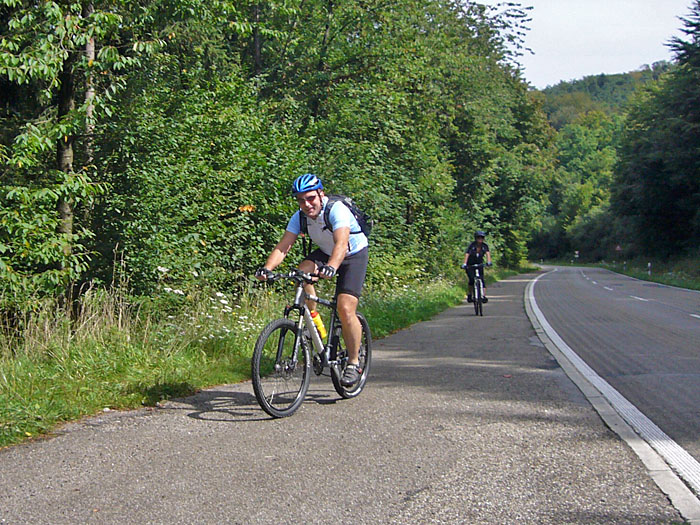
column 566, row 101
column 203, row 112
column 628, row 172
column 658, row 185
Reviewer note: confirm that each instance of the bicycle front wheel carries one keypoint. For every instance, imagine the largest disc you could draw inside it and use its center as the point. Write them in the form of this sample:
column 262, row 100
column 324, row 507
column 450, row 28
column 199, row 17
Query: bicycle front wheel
column 481, row 299
column 280, row 369
column 477, row 297
column 340, row 354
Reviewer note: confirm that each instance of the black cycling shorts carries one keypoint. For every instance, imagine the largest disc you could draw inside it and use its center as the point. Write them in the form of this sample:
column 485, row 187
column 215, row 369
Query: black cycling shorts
column 352, row 271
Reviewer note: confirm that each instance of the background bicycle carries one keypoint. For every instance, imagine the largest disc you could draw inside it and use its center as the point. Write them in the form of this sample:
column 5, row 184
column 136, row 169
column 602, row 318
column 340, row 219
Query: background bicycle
column 478, row 288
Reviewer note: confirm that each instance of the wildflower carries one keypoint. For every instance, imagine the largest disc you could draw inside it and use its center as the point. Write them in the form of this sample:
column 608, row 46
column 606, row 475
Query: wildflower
column 163, row 269
column 219, row 294
column 223, row 301
column 194, row 272
column 247, row 207
column 168, row 289
column 178, row 292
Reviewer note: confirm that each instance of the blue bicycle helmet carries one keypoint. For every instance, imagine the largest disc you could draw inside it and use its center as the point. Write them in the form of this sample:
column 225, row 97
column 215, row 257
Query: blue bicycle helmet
column 479, row 233
column 306, row 182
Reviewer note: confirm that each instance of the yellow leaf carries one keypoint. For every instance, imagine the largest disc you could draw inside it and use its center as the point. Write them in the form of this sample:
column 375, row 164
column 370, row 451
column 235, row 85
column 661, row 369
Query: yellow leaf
column 28, row 434
column 90, row 62
column 202, row 243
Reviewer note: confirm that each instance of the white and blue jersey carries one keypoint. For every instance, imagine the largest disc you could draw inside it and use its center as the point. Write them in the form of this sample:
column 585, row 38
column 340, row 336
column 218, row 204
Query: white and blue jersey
column 339, row 217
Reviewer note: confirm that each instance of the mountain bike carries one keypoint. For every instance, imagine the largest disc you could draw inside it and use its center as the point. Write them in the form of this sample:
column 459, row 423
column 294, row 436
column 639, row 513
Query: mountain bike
column 282, row 359
column 478, row 288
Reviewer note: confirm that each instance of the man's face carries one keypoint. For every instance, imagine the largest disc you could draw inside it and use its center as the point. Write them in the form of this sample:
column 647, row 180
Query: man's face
column 310, row 202
column 479, row 240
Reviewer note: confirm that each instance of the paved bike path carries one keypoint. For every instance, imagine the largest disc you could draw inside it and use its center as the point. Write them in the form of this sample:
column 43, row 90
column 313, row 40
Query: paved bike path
column 464, row 420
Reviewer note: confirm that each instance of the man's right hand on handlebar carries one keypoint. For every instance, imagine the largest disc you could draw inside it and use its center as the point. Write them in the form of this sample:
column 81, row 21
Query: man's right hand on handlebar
column 263, row 274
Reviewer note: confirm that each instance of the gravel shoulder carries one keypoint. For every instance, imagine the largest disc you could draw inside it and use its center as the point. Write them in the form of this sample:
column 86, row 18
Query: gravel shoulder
column 464, row 420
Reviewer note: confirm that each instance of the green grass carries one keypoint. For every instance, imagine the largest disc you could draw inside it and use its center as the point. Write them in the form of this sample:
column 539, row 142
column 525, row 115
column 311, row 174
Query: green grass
column 118, row 356
column 683, row 272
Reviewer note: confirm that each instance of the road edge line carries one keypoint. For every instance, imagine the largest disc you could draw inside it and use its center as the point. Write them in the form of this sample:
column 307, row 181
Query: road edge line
column 680, row 496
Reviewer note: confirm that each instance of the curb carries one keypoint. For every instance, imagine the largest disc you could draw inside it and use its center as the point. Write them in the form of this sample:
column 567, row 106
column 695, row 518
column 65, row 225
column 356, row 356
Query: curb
column 681, row 497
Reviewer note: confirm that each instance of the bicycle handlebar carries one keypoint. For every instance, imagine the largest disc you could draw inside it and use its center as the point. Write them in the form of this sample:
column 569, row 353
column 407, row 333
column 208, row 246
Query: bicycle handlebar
column 295, row 275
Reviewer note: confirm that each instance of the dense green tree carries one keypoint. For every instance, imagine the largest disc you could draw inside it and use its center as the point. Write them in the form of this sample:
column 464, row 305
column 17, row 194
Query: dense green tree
column 54, row 81
column 417, row 109
column 658, row 184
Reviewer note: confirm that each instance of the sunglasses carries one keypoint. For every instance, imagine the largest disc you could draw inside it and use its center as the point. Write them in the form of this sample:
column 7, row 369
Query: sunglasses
column 310, row 199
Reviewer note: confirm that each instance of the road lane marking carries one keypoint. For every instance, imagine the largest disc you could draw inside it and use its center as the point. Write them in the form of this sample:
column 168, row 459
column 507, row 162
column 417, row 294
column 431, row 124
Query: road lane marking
column 594, row 282
column 673, row 454
column 695, row 315
column 639, row 298
column 608, row 288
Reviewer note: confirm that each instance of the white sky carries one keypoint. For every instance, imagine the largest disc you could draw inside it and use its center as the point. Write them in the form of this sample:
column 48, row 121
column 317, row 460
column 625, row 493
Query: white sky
column 575, row 38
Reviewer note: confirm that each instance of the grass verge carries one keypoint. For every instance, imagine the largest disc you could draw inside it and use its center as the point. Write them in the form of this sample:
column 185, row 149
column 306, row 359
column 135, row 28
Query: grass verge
column 116, row 357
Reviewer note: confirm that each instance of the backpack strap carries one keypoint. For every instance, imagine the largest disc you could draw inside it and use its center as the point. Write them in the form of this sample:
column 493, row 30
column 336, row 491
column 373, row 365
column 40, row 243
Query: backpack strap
column 305, row 239
column 332, row 199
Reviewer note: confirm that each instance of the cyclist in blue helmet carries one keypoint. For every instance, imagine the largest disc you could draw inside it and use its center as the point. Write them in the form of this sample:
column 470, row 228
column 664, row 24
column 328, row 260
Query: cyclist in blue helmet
column 342, row 250
column 475, row 254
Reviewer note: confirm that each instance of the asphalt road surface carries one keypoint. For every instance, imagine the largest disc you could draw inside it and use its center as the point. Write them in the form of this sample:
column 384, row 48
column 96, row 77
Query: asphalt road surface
column 464, row 420
column 641, row 337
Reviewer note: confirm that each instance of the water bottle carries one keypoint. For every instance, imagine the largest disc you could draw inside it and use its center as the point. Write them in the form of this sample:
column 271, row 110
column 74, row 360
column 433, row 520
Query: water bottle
column 319, row 324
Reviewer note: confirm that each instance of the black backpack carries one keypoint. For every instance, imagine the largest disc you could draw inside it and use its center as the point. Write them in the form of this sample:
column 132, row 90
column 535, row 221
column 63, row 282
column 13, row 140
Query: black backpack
column 364, row 220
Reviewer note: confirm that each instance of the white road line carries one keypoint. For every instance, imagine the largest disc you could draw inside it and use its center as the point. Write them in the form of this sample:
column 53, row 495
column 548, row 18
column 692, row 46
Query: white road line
column 679, row 460
column 608, row 288
column 594, row 282
column 639, row 298
column 695, row 315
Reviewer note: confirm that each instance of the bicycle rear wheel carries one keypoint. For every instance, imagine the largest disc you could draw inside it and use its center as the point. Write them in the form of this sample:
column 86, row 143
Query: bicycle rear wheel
column 340, row 353
column 280, row 381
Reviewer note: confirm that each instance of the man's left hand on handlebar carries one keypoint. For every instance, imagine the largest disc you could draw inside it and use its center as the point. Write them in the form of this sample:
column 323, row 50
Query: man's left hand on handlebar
column 326, row 271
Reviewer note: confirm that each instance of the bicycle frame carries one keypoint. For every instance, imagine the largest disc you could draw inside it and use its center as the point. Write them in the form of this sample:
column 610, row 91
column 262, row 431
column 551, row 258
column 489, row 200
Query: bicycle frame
column 479, row 279
column 305, row 320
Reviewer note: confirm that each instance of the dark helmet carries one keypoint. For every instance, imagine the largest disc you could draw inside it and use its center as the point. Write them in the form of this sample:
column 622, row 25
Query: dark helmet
column 478, row 234
column 306, row 182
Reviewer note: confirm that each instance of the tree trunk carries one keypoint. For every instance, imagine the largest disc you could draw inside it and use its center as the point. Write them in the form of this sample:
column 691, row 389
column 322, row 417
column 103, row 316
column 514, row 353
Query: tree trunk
column 257, row 44
column 322, row 66
column 89, row 94
column 64, row 150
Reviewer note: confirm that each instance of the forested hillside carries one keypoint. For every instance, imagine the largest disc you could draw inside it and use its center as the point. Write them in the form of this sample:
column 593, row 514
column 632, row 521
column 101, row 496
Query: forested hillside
column 566, row 101
column 627, row 181
column 165, row 134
